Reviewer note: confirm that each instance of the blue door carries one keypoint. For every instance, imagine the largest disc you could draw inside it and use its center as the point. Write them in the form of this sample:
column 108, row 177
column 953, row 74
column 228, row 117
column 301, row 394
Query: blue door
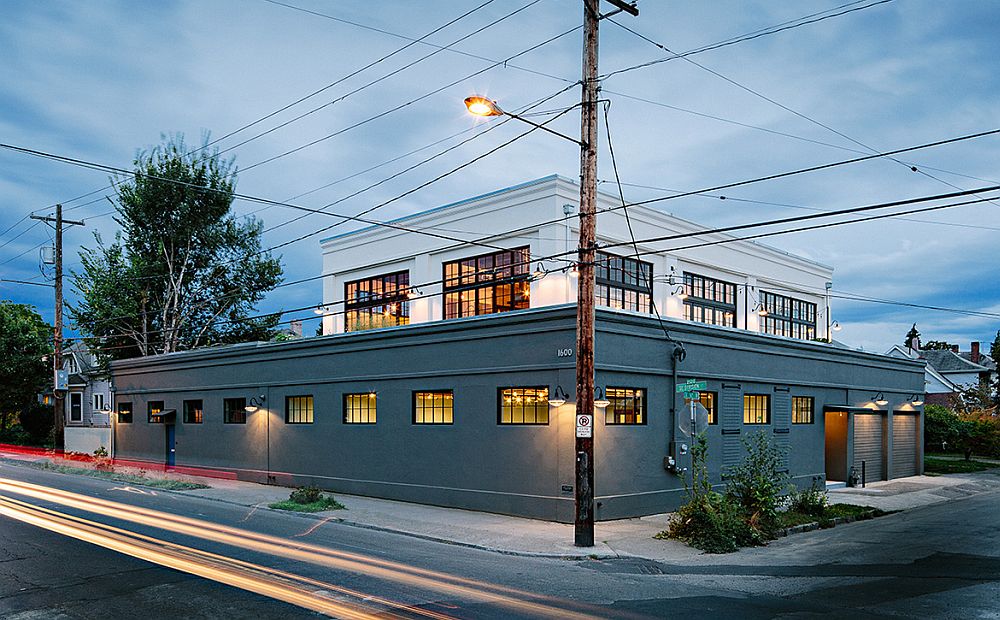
column 170, row 445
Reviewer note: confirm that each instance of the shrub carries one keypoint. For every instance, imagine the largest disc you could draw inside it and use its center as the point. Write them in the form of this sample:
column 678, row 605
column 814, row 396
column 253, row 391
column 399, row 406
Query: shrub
column 305, row 495
column 812, row 501
column 758, row 484
column 941, row 428
column 38, row 420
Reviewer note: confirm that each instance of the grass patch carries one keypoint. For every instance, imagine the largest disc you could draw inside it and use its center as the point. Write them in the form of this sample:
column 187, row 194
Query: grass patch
column 791, row 518
column 324, row 503
column 114, row 476
column 933, row 465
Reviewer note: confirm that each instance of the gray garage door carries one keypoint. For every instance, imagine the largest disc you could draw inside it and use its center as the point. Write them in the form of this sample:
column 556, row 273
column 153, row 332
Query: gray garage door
column 868, row 445
column 904, row 445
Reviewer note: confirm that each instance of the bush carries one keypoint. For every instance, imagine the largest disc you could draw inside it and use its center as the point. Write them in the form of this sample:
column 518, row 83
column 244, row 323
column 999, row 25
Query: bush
column 37, row 420
column 305, row 495
column 812, row 501
column 758, row 484
column 16, row 435
column 941, row 429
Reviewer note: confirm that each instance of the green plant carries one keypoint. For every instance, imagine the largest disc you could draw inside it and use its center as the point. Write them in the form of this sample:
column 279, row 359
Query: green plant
column 758, row 484
column 305, row 495
column 811, row 501
column 708, row 521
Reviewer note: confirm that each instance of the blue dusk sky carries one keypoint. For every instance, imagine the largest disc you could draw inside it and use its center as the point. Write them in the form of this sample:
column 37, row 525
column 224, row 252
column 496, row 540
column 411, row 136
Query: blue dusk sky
column 102, row 80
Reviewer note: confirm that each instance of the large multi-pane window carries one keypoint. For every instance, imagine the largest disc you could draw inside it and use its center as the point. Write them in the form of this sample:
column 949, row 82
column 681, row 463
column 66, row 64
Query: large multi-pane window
column 710, row 401
column 709, row 300
column 194, row 412
column 234, row 411
column 360, row 408
column 787, row 316
column 756, row 409
column 487, row 284
column 802, row 409
column 625, row 405
column 125, row 413
column 298, row 410
column 379, row 301
column 623, row 283
column 523, row 405
column 434, row 407
column 153, row 410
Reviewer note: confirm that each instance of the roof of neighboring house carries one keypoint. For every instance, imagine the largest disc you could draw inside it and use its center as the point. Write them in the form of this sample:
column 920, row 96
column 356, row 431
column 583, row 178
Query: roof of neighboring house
column 984, row 360
column 906, row 352
column 949, row 361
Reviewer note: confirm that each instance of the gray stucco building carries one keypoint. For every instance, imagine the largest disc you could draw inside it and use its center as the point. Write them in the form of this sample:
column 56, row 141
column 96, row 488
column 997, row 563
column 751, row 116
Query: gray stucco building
column 460, row 412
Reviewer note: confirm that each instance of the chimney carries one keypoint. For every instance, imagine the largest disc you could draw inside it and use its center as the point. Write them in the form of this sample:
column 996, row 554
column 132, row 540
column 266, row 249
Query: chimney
column 975, row 353
column 296, row 328
column 954, row 348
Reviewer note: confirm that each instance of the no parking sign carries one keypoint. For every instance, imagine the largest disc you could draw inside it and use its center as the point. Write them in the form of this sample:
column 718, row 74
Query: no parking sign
column 584, row 425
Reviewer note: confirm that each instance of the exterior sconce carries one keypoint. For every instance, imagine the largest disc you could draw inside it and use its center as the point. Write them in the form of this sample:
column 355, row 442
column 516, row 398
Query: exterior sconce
column 880, row 400
column 600, row 400
column 559, row 397
column 761, row 310
column 574, row 271
column 836, row 326
column 256, row 402
column 916, row 401
column 413, row 293
column 321, row 310
column 680, row 292
column 539, row 272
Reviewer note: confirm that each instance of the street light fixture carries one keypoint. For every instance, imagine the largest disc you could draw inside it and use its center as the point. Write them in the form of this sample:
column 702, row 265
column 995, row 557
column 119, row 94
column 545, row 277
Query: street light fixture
column 485, row 107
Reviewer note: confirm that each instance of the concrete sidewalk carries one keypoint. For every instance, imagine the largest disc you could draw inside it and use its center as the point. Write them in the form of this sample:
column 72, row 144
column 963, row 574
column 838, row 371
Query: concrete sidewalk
column 515, row 535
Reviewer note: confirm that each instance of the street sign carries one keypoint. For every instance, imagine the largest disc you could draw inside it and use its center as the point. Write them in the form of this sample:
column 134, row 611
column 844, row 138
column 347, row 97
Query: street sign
column 692, row 395
column 584, row 426
column 692, row 386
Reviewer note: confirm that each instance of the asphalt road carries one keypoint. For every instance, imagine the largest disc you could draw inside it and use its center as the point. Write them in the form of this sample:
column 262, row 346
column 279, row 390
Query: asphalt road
column 941, row 561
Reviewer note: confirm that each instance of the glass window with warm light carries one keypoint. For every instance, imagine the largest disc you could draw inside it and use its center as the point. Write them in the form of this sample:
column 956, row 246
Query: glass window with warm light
column 193, row 412
column 523, row 405
column 709, row 401
column 623, row 283
column 756, row 409
column 709, row 301
column 153, row 409
column 802, row 409
column 488, row 283
column 360, row 408
column 234, row 411
column 433, row 407
column 625, row 405
column 125, row 412
column 787, row 316
column 378, row 301
column 298, row 410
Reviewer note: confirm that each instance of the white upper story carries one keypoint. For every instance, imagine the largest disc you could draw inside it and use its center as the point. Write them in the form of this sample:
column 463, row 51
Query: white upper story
column 747, row 285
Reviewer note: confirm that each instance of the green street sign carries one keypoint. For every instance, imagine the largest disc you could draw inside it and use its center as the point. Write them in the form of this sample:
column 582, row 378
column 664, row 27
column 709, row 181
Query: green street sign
column 692, row 386
column 692, row 395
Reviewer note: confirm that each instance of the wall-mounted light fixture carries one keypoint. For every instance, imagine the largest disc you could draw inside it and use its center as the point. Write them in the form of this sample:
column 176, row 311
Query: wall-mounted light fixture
column 680, row 292
column 413, row 293
column 539, row 272
column 256, row 402
column 916, row 400
column 880, row 400
column 559, row 397
column 574, row 271
column 761, row 310
column 835, row 326
column 321, row 310
column 600, row 400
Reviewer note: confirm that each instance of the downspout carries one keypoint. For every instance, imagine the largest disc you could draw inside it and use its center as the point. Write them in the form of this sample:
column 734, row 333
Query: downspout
column 677, row 355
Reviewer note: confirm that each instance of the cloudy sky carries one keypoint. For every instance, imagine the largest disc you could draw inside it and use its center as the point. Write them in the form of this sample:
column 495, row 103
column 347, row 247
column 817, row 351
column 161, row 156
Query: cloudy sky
column 100, row 81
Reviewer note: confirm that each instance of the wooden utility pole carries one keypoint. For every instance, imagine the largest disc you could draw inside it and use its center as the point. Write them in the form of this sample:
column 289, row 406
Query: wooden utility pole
column 57, row 338
column 584, row 488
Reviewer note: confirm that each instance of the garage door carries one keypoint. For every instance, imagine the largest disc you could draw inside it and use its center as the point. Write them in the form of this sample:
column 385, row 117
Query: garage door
column 904, row 445
column 868, row 445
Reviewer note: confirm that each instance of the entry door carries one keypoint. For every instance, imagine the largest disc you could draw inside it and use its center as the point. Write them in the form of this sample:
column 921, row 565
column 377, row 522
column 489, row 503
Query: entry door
column 868, row 442
column 170, row 444
column 904, row 445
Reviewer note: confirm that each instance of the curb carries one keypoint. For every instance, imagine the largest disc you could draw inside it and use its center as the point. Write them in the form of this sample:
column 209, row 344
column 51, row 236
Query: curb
column 830, row 523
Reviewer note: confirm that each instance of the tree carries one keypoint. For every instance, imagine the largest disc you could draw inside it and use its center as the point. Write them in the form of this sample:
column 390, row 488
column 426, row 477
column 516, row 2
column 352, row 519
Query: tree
column 938, row 345
column 184, row 271
column 25, row 343
column 912, row 338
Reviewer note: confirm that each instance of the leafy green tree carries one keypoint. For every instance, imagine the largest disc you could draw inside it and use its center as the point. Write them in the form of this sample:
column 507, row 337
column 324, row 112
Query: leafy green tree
column 24, row 370
column 184, row 271
column 938, row 345
column 941, row 429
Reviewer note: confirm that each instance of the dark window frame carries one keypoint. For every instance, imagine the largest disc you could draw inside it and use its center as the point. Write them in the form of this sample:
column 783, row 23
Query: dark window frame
column 413, row 418
column 232, row 406
column 199, row 410
column 701, row 308
column 757, row 420
column 76, row 407
column 150, row 413
column 713, row 411
column 371, row 413
column 392, row 307
column 477, row 283
column 543, row 405
column 811, row 410
column 623, row 282
column 785, row 316
column 610, row 413
column 126, row 417
column 311, row 413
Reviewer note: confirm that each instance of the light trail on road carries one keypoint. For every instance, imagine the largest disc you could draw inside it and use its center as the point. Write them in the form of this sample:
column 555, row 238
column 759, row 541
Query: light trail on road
column 419, row 578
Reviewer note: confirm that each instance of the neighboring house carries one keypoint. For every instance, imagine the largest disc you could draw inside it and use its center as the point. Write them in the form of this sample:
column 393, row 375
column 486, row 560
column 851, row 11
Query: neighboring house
column 447, row 374
column 87, row 403
column 949, row 371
